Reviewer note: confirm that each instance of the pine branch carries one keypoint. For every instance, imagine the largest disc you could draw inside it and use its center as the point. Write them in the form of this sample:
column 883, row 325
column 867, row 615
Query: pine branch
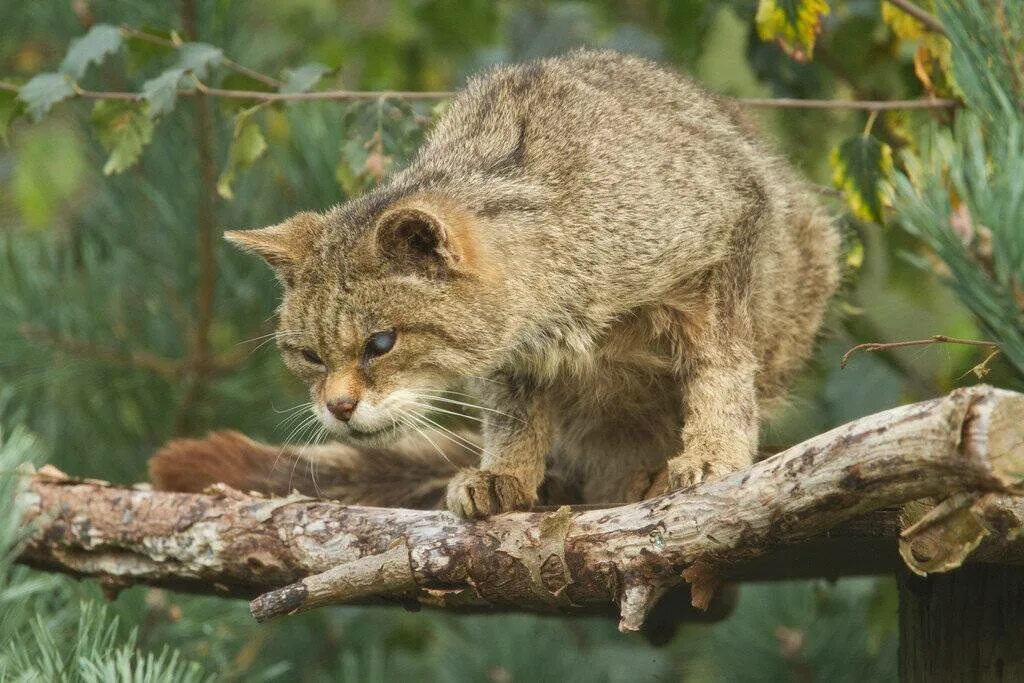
column 819, row 507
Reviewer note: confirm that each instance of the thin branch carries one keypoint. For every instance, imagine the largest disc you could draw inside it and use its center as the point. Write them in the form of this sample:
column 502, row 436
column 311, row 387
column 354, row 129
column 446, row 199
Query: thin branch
column 861, row 327
column 354, row 95
column 935, row 339
column 929, row 22
column 324, row 94
column 865, row 105
column 130, row 32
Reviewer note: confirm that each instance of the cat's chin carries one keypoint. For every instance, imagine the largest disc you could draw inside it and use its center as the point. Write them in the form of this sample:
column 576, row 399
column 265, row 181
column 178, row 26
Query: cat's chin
column 385, row 436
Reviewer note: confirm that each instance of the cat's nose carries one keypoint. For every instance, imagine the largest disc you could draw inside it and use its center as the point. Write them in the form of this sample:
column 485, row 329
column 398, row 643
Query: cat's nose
column 342, row 408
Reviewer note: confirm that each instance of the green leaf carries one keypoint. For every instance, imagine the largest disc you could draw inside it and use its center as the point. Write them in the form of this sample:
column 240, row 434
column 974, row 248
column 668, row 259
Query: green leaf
column 198, row 58
column 92, row 48
column 10, row 107
column 303, row 78
column 162, row 92
column 794, row 24
column 247, row 146
column 860, row 168
column 44, row 91
column 124, row 128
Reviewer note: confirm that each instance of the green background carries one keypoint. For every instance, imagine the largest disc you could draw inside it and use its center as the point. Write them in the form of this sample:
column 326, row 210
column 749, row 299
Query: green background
column 94, row 268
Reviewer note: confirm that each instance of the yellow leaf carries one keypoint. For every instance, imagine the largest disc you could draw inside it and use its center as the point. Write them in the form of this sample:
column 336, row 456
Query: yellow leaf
column 855, row 257
column 902, row 24
column 794, row 24
column 860, row 168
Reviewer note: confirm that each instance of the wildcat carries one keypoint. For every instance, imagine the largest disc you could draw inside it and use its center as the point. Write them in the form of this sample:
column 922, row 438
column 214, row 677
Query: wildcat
column 600, row 250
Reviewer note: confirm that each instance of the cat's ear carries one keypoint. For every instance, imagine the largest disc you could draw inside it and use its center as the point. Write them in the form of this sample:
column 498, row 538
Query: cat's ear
column 419, row 240
column 283, row 246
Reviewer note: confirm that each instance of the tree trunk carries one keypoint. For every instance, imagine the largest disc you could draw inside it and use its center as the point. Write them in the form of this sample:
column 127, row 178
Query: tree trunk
column 964, row 625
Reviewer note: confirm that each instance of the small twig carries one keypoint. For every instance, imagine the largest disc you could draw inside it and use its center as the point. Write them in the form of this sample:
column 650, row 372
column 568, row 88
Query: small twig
column 327, row 94
column 936, row 339
column 926, row 20
column 130, row 32
column 981, row 369
column 866, row 105
column 353, row 95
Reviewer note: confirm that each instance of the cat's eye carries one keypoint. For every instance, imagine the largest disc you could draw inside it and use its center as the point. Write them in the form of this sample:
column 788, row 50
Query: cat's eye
column 380, row 343
column 311, row 357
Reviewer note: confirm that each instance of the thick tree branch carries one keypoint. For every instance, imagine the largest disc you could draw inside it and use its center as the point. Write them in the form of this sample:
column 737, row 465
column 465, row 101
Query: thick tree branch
column 790, row 515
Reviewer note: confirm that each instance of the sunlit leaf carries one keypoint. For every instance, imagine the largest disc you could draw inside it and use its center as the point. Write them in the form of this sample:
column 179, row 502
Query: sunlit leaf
column 198, row 58
column 92, row 48
column 124, row 129
column 902, row 24
column 860, row 167
column 162, row 92
column 794, row 24
column 303, row 78
column 44, row 91
column 855, row 256
column 247, row 145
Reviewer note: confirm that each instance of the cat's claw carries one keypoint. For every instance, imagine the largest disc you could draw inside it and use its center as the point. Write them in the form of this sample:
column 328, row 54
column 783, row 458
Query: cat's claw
column 474, row 494
column 686, row 472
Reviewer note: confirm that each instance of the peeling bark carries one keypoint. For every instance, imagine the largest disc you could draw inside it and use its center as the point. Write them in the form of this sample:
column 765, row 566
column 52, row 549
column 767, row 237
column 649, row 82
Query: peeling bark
column 784, row 517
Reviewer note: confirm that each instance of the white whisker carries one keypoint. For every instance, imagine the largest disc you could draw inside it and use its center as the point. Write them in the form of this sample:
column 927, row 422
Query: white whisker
column 447, row 433
column 472, row 405
column 442, row 410
column 409, row 423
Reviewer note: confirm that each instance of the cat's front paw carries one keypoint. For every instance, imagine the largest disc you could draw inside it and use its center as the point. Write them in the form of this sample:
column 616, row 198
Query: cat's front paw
column 697, row 465
column 474, row 493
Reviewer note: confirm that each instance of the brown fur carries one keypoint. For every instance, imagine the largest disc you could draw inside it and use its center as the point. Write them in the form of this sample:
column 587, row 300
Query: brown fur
column 599, row 249
column 403, row 475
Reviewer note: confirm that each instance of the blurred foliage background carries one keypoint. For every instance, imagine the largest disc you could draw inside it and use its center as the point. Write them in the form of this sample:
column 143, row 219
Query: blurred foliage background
column 124, row 321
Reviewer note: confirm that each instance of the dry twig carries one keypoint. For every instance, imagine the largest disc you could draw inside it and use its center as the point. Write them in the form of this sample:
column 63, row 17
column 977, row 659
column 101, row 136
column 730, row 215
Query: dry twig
column 934, row 339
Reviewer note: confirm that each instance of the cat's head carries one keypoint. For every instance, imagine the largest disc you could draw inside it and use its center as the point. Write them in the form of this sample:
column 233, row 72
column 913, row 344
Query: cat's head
column 383, row 309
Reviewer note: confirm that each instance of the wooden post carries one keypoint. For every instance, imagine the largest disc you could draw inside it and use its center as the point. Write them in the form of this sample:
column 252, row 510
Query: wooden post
column 963, row 625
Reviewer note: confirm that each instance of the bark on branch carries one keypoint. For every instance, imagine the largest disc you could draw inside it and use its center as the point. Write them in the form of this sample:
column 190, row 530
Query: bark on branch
column 787, row 516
